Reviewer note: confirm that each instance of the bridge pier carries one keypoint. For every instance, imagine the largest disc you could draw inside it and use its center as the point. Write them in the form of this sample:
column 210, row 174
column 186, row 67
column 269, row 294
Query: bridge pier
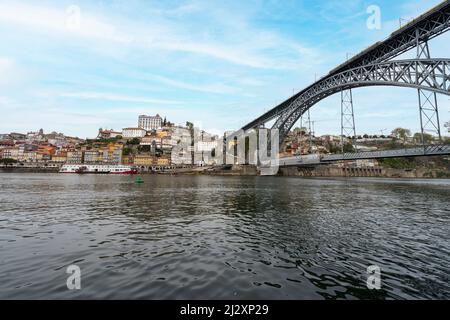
column 428, row 105
column 347, row 118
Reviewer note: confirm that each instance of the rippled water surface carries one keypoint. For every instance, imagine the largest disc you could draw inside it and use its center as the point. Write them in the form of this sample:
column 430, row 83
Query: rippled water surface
column 222, row 237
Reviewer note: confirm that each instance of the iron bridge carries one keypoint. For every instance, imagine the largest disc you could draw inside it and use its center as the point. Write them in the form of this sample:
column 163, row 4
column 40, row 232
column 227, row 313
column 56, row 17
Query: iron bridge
column 375, row 67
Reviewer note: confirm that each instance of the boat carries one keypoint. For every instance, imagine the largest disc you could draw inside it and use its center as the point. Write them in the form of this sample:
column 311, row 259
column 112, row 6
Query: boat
column 84, row 169
column 97, row 169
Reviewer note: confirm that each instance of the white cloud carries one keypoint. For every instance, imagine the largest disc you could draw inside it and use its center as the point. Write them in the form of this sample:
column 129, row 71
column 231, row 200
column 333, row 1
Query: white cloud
column 116, row 97
column 57, row 21
column 241, row 47
column 211, row 88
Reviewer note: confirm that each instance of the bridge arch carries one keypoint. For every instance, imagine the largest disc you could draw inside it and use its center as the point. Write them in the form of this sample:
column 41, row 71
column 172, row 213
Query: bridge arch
column 426, row 74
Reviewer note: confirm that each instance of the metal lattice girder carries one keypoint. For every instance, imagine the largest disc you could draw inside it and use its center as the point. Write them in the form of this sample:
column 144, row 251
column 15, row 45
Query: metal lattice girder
column 347, row 117
column 428, row 105
column 429, row 114
column 427, row 74
column 429, row 25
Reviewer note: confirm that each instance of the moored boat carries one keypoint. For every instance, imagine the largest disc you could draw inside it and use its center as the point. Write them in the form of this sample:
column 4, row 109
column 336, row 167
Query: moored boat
column 97, row 169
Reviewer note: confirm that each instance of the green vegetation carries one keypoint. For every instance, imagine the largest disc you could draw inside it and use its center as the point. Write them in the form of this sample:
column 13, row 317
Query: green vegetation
column 401, row 134
column 103, row 141
column 127, row 151
column 427, row 138
column 392, row 145
column 332, row 147
column 7, row 161
column 443, row 175
column 189, row 125
column 348, row 147
column 144, row 148
column 398, row 163
column 134, row 141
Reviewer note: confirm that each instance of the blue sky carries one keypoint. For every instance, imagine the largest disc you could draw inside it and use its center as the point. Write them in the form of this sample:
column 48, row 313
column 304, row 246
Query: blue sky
column 218, row 64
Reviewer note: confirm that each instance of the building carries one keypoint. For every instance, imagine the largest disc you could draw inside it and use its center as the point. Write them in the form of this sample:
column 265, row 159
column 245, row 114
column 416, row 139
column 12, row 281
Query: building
column 163, row 162
column 56, row 139
column 112, row 154
column 181, row 141
column 17, row 136
column 108, row 134
column 150, row 123
column 130, row 133
column 92, row 156
column 46, row 148
column 143, row 160
column 36, row 136
column 75, row 157
column 6, row 143
column 60, row 156
column 10, row 153
column 150, row 141
column 30, row 156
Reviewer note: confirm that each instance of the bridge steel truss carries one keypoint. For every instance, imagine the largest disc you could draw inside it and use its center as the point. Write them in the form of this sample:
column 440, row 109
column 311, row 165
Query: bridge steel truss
column 348, row 129
column 428, row 103
column 374, row 66
column 426, row 74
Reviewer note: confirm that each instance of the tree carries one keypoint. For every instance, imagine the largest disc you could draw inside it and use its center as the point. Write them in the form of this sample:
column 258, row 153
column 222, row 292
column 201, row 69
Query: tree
column 348, row 147
column 134, row 141
column 126, row 151
column 401, row 134
column 165, row 122
column 8, row 161
column 427, row 138
column 447, row 125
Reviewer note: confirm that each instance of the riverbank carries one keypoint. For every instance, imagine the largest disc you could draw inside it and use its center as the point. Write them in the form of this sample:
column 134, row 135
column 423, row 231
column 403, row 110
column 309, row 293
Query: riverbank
column 30, row 169
column 248, row 170
column 379, row 172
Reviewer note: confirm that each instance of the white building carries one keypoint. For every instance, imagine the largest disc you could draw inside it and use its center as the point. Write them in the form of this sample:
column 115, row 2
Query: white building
column 133, row 132
column 150, row 123
column 181, row 143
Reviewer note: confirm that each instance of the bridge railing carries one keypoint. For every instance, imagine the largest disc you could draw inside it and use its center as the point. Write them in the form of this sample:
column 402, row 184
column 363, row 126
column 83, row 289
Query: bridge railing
column 315, row 159
column 427, row 150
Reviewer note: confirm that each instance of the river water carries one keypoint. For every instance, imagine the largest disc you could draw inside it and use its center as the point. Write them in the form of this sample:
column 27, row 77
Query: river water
column 183, row 237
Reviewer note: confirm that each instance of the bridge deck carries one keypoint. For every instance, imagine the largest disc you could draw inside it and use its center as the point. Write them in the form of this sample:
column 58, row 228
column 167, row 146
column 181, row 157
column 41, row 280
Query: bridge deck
column 428, row 150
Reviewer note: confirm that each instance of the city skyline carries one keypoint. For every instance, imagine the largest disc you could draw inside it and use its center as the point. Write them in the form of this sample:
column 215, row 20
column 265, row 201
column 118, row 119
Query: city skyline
column 129, row 59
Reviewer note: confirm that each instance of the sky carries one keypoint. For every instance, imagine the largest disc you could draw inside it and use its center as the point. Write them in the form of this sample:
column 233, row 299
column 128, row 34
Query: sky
column 75, row 66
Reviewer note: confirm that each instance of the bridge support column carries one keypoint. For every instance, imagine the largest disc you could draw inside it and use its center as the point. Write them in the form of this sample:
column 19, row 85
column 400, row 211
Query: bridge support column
column 310, row 133
column 428, row 105
column 347, row 118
